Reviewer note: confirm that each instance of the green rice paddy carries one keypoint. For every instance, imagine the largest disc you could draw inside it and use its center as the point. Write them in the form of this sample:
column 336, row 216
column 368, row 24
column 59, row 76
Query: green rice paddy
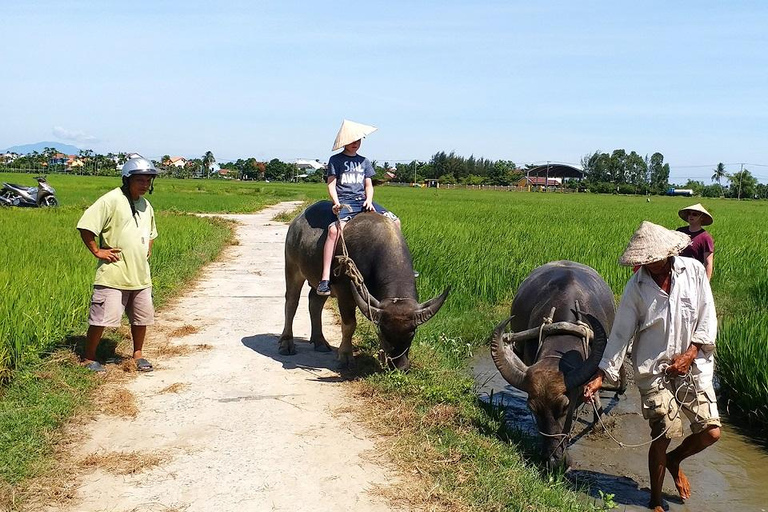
column 482, row 243
column 47, row 273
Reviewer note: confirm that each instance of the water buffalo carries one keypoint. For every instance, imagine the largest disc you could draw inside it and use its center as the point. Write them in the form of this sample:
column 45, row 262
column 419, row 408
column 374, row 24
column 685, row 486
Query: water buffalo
column 546, row 353
column 387, row 296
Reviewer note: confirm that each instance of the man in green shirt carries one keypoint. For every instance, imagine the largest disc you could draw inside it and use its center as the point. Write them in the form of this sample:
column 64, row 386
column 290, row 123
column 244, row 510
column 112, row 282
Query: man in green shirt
column 119, row 229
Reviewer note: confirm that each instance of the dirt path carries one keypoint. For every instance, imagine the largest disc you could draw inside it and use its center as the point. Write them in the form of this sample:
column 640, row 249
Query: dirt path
column 247, row 429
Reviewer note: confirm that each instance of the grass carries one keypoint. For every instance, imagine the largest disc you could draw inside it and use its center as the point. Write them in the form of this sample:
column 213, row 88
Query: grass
column 742, row 365
column 483, row 243
column 32, row 409
column 459, row 452
column 47, row 273
column 46, row 278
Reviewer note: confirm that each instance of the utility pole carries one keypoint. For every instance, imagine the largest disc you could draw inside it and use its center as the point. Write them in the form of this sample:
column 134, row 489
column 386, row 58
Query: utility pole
column 741, row 177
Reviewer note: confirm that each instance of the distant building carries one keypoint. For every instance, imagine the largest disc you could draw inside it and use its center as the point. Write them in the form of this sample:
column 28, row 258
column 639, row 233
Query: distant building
column 58, row 159
column 177, row 161
column 539, row 181
column 73, row 163
column 8, row 157
column 309, row 166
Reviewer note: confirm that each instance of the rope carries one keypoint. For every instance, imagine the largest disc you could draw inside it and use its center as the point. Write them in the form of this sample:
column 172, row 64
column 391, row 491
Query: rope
column 688, row 379
column 346, row 265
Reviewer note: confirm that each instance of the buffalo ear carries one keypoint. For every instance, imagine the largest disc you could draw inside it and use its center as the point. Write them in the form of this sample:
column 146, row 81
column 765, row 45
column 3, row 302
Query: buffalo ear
column 581, row 375
column 367, row 303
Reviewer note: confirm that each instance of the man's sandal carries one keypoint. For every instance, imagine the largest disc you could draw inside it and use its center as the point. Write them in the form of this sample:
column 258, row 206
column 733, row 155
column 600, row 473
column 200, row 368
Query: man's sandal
column 96, row 366
column 143, row 365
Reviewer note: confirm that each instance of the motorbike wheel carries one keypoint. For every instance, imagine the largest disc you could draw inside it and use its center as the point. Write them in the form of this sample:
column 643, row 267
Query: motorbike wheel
column 50, row 201
column 6, row 200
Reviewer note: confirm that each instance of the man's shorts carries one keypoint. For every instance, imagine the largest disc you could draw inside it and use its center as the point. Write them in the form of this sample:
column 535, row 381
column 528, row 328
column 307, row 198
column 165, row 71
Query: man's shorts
column 663, row 412
column 108, row 305
column 354, row 207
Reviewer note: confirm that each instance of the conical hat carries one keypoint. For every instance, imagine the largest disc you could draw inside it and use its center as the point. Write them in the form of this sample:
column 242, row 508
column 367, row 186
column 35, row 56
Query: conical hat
column 707, row 218
column 652, row 242
column 351, row 131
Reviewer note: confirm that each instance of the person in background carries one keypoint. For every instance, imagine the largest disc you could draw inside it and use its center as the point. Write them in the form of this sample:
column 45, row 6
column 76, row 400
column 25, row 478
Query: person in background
column 667, row 307
column 350, row 187
column 702, row 246
column 123, row 221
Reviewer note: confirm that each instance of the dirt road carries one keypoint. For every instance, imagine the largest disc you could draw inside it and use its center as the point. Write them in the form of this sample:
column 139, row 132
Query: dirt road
column 246, row 429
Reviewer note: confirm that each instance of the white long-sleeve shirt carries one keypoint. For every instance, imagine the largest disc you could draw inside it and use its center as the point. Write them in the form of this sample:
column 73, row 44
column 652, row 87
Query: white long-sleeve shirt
column 664, row 325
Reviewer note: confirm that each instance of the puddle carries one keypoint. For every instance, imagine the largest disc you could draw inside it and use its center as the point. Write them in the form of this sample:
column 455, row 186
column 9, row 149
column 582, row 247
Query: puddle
column 731, row 475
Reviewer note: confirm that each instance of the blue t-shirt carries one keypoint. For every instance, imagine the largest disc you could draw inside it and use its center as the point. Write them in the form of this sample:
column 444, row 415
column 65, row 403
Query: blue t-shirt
column 350, row 172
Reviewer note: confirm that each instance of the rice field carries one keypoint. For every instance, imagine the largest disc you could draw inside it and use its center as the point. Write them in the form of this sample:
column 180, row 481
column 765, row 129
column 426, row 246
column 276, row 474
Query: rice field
column 482, row 243
column 47, row 273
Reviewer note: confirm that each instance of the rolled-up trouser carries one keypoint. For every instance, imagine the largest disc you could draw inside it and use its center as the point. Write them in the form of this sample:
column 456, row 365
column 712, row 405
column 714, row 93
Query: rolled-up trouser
column 662, row 408
column 353, row 207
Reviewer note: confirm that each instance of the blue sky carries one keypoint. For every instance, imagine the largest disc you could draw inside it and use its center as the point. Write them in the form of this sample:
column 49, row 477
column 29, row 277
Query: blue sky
column 523, row 81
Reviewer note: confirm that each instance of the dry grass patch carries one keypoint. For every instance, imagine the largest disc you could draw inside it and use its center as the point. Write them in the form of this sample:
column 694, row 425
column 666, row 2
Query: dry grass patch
column 441, row 415
column 116, row 401
column 184, row 330
column 123, row 463
column 168, row 349
column 408, row 450
column 288, row 215
column 176, row 387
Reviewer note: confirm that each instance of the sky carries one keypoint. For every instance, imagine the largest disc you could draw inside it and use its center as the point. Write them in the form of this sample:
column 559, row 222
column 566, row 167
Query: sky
column 524, row 81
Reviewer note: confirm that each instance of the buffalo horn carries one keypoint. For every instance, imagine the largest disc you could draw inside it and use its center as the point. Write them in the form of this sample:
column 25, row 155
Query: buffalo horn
column 581, row 375
column 428, row 309
column 510, row 366
column 366, row 302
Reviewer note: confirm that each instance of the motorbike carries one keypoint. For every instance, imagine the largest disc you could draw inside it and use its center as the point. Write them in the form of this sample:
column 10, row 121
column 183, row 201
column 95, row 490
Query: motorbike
column 41, row 196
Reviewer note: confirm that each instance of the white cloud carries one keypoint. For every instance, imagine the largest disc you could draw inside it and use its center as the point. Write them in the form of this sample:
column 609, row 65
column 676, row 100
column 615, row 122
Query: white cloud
column 73, row 135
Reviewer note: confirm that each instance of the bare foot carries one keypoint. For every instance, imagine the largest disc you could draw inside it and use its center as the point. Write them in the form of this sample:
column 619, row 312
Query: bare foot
column 681, row 481
column 658, row 509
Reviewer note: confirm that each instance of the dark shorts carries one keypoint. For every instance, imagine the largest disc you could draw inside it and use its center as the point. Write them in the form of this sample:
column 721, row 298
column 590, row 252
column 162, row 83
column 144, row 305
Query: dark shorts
column 354, row 207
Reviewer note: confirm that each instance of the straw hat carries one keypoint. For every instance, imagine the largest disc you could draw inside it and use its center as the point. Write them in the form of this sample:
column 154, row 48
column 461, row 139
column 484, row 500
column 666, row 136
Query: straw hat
column 706, row 221
column 652, row 242
column 351, row 131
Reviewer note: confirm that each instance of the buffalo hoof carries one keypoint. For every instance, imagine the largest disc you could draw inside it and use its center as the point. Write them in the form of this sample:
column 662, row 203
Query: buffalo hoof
column 346, row 360
column 322, row 346
column 287, row 348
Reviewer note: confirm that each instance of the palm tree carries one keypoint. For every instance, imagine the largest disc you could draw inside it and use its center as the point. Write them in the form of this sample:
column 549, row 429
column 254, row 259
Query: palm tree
column 719, row 174
column 208, row 160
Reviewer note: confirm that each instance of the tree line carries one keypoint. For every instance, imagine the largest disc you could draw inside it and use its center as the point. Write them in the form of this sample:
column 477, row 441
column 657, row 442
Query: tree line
column 615, row 172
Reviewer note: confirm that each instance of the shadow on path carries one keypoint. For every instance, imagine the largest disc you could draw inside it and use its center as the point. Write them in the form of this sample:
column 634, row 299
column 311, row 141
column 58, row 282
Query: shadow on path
column 309, row 360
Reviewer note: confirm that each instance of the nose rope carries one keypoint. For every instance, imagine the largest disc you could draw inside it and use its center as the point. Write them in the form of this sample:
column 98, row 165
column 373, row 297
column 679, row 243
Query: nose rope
column 385, row 358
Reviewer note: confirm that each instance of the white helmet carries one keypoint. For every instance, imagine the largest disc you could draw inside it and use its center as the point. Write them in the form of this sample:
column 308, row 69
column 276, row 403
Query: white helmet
column 138, row 165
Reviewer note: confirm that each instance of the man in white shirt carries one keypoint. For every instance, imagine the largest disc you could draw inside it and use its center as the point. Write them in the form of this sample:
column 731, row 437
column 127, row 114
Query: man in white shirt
column 667, row 306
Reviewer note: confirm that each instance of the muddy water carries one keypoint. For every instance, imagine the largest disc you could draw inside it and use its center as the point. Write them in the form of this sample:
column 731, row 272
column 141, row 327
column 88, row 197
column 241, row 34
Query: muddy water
column 730, row 476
